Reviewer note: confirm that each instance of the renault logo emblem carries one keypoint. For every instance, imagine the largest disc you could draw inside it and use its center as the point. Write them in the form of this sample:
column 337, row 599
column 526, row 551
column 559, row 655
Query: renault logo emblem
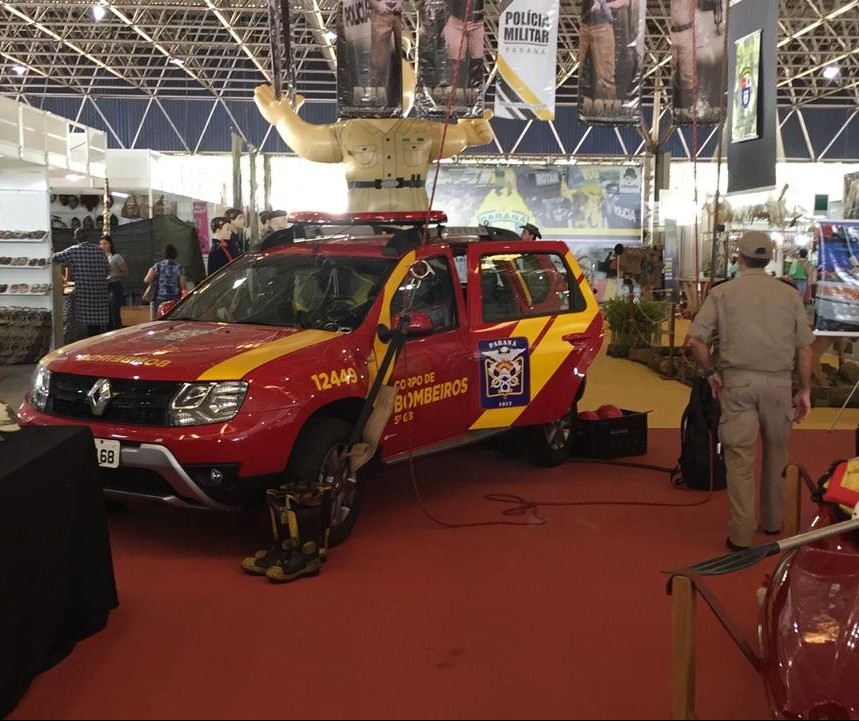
column 99, row 396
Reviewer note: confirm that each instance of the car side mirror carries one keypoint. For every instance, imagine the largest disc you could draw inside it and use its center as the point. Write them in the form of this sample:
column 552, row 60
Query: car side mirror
column 165, row 308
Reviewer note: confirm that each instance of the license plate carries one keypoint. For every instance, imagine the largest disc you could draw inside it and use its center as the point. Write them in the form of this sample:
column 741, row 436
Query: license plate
column 107, row 453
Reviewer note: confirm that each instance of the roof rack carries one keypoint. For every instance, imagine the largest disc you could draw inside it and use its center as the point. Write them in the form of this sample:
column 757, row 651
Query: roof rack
column 387, row 216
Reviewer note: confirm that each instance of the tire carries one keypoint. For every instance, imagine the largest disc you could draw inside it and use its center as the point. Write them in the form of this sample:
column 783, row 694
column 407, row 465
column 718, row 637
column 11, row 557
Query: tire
column 319, row 455
column 548, row 444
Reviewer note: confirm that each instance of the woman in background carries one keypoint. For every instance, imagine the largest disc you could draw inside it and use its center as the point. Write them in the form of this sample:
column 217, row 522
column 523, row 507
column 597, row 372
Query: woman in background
column 117, row 270
column 169, row 278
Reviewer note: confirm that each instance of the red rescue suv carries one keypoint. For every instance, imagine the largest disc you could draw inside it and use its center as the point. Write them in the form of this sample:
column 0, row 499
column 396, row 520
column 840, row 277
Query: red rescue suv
column 259, row 376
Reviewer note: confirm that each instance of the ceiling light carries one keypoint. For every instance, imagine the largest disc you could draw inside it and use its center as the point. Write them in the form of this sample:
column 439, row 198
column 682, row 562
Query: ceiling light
column 330, row 36
column 74, row 177
column 98, row 11
column 177, row 61
column 830, row 72
column 19, row 69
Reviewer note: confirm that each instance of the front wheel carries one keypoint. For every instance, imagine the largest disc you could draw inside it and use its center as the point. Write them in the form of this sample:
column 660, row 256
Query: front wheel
column 319, row 456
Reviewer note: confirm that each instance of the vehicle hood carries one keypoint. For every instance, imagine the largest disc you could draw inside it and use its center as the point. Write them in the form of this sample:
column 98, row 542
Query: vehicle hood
column 185, row 350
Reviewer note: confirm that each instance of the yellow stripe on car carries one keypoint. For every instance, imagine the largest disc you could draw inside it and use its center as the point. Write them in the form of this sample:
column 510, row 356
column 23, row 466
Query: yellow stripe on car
column 240, row 365
column 390, row 289
column 546, row 356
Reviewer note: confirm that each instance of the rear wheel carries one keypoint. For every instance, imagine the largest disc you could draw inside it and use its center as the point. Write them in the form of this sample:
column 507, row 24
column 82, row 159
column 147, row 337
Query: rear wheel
column 549, row 444
column 319, row 456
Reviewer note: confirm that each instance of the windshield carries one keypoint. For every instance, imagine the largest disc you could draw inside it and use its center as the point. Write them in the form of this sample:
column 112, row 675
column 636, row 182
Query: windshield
column 301, row 291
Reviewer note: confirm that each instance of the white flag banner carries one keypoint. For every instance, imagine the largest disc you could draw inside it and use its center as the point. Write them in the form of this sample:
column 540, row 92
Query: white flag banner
column 527, row 57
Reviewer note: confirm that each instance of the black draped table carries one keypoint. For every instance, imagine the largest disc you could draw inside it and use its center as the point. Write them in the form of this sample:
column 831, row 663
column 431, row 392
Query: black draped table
column 56, row 573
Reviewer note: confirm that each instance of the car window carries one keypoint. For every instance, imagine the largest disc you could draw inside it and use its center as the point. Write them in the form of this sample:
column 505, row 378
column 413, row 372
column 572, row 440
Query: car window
column 432, row 294
column 522, row 285
column 303, row 291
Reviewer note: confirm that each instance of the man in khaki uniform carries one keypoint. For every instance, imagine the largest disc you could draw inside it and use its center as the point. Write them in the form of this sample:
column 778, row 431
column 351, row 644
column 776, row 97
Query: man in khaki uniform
column 761, row 326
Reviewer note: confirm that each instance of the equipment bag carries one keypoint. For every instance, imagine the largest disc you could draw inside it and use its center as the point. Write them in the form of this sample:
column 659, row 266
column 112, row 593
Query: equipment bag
column 701, row 465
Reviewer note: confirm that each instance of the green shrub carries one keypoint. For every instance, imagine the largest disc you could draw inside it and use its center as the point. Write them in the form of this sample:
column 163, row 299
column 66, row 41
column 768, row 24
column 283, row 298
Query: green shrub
column 632, row 323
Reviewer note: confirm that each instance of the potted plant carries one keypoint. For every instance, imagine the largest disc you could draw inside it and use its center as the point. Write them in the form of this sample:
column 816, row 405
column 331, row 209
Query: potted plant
column 631, row 323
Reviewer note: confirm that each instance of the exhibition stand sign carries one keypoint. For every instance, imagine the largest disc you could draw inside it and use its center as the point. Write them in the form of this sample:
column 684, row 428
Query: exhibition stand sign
column 837, row 300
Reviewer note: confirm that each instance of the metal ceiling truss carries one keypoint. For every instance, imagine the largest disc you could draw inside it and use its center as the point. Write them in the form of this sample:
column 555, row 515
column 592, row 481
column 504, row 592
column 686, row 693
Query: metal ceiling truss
column 206, row 56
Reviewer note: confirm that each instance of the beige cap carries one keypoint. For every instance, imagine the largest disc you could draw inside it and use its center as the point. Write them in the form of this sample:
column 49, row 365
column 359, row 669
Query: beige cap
column 755, row 244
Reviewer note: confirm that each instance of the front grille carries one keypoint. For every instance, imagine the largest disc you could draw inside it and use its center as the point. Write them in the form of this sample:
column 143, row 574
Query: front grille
column 135, row 402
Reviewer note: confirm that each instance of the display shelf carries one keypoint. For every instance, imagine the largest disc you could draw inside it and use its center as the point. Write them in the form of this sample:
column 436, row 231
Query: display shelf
column 23, row 236
column 29, row 265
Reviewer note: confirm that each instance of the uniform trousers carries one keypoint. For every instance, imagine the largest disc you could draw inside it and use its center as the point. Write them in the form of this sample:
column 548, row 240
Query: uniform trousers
column 599, row 41
column 753, row 404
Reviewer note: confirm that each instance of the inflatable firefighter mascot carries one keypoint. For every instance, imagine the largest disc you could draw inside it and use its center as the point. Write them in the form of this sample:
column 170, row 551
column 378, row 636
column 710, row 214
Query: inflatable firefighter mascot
column 385, row 159
column 300, row 523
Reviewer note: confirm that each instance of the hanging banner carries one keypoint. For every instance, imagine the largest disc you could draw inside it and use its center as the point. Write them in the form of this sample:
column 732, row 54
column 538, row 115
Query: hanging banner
column 747, row 63
column 369, row 66
column 698, row 30
column 527, row 48
column 611, row 49
column 201, row 223
column 751, row 163
column 837, row 299
column 851, row 196
column 450, row 59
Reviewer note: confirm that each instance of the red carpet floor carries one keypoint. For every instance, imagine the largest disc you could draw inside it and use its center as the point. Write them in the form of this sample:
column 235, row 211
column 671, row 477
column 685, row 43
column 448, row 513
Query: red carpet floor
column 410, row 619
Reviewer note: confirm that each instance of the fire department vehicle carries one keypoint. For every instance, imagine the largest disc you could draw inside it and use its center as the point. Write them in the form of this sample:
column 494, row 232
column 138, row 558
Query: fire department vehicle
column 260, row 377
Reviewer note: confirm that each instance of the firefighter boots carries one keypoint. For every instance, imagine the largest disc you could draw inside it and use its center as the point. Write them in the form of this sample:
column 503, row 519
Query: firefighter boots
column 262, row 560
column 309, row 517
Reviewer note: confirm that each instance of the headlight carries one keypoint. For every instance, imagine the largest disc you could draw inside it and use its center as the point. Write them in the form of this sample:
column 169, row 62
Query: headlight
column 40, row 389
column 199, row 403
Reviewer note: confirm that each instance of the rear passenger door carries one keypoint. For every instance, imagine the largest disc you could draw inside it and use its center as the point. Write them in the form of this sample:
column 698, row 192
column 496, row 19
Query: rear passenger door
column 527, row 306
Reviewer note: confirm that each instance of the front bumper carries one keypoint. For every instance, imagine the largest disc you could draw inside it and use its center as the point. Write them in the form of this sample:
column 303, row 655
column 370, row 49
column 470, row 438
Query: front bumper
column 158, row 460
column 173, row 466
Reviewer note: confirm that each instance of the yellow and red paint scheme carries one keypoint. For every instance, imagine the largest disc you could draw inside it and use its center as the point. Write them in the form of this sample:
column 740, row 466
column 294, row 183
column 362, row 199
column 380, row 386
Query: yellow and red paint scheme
column 294, row 374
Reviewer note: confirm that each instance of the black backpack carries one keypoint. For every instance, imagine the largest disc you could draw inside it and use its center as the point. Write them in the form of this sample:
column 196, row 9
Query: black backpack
column 701, row 465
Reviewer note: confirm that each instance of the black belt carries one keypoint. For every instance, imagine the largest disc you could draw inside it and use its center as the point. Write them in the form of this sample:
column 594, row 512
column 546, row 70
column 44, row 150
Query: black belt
column 414, row 182
column 681, row 28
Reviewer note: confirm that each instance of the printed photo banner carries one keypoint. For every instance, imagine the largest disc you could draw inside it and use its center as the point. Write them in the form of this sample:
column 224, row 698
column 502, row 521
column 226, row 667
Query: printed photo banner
column 698, row 30
column 611, row 49
column 446, row 35
column 369, row 66
column 851, row 196
column 578, row 202
column 744, row 119
column 837, row 300
column 527, row 52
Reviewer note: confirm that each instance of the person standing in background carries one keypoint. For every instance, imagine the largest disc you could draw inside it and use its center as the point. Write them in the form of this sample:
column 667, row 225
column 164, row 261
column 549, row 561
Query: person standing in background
column 273, row 220
column 169, row 278
column 530, row 232
column 222, row 251
column 763, row 333
column 798, row 274
column 236, row 219
column 90, row 270
column 118, row 271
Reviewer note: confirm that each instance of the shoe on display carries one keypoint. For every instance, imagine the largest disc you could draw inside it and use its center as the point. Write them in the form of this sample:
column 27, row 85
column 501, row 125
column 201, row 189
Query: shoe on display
column 8, row 421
